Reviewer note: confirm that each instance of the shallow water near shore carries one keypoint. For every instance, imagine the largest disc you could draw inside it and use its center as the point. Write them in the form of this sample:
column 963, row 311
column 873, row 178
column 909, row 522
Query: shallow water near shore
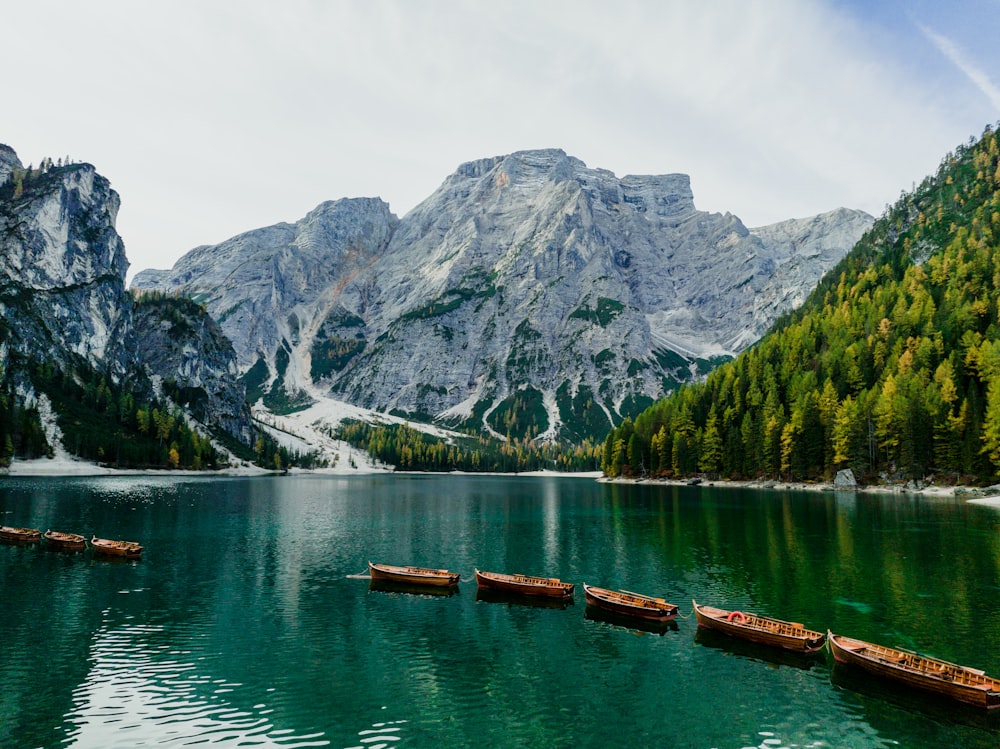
column 243, row 623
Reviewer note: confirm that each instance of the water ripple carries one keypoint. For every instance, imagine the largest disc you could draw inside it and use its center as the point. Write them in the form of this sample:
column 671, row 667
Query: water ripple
column 380, row 735
column 138, row 693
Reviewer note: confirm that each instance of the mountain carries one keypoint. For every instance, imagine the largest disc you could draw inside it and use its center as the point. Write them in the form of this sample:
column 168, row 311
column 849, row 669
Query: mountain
column 62, row 292
column 193, row 362
column 77, row 355
column 890, row 368
column 528, row 295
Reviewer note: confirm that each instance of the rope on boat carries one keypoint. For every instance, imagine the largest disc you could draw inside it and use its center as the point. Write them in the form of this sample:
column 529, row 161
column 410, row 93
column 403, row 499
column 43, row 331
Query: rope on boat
column 685, row 616
column 360, row 576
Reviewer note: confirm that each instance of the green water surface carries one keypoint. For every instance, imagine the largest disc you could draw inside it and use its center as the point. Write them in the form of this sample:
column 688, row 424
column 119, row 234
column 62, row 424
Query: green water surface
column 242, row 625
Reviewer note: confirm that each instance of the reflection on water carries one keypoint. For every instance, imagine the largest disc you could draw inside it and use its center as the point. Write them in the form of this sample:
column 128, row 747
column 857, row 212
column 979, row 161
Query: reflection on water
column 745, row 649
column 595, row 614
column 139, row 690
column 242, row 627
column 412, row 589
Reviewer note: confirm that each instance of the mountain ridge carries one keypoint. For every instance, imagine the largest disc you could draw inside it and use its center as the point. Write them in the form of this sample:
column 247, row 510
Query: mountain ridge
column 524, row 281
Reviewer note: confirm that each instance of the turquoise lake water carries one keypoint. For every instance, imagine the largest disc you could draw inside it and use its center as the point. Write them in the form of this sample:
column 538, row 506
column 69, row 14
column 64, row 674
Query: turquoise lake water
column 243, row 626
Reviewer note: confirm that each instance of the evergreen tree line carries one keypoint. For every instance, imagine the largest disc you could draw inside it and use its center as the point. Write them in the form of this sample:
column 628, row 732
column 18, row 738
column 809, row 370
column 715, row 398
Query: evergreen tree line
column 891, row 367
column 20, row 177
column 107, row 423
column 409, row 449
column 21, row 432
column 104, row 422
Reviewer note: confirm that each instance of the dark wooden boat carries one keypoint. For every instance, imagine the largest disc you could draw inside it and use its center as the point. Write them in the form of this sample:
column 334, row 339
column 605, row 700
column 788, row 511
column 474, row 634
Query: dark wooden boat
column 69, row 541
column 412, row 575
column 760, row 629
column 625, row 603
column 968, row 685
column 128, row 549
column 524, row 585
column 20, row 535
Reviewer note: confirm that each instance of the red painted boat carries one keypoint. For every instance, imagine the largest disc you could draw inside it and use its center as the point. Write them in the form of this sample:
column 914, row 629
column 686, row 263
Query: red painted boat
column 524, row 585
column 412, row 575
column 760, row 629
column 625, row 603
column 961, row 683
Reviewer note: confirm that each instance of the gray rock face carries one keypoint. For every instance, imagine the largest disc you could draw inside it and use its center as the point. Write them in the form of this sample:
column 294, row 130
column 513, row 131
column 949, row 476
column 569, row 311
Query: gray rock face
column 845, row 479
column 799, row 247
column 523, row 276
column 63, row 298
column 8, row 163
column 178, row 342
column 62, row 280
column 274, row 288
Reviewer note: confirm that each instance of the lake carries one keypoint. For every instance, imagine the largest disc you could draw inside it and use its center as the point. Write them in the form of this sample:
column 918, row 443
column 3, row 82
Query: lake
column 244, row 623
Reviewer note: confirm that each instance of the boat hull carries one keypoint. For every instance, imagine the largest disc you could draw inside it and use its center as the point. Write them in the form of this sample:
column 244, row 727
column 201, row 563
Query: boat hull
column 122, row 549
column 762, row 630
column 524, row 585
column 65, row 541
column 631, row 605
column 20, row 535
column 423, row 576
column 958, row 683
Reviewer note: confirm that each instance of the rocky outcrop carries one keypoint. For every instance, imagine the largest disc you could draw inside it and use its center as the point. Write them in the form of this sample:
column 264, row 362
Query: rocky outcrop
column 526, row 281
column 183, row 348
column 64, row 305
column 62, row 280
column 8, row 163
column 274, row 288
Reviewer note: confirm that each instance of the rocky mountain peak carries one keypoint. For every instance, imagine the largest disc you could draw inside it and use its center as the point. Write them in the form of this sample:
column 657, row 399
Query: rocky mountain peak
column 64, row 306
column 8, row 162
column 62, row 254
column 527, row 281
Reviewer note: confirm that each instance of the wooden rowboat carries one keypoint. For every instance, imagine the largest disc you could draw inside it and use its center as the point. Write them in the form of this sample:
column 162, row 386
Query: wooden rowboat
column 961, row 683
column 20, row 535
column 69, row 541
column 413, row 575
column 625, row 603
column 129, row 549
column 524, row 585
column 760, row 629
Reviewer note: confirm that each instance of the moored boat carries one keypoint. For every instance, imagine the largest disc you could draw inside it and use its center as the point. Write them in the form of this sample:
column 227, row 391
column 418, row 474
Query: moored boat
column 760, row 629
column 412, row 575
column 524, row 585
column 626, row 603
column 129, row 549
column 20, row 535
column 969, row 685
column 68, row 541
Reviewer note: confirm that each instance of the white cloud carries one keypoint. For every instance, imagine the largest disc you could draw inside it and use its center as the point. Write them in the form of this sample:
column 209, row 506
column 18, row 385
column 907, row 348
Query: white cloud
column 212, row 119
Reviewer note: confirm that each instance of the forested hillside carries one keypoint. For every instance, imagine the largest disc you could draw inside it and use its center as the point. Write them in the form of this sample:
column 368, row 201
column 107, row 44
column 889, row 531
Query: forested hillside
column 891, row 367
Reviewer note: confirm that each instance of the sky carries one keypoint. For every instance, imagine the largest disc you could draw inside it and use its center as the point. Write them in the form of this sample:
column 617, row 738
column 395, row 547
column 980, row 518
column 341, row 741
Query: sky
column 211, row 118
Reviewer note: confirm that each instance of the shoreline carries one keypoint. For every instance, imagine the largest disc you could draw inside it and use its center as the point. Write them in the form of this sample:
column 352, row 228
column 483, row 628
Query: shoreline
column 64, row 466
column 976, row 496
column 68, row 467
